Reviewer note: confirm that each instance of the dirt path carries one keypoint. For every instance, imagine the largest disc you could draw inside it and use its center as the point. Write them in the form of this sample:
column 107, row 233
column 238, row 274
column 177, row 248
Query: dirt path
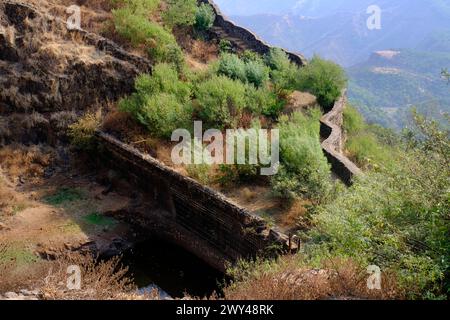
column 41, row 216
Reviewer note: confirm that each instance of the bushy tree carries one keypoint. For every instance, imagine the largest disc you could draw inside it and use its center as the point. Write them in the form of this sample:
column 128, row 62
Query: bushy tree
column 256, row 73
column 161, row 101
column 284, row 74
column 162, row 113
column 324, row 79
column 220, row 101
column 263, row 101
column 305, row 167
column 252, row 71
column 232, row 66
column 204, row 17
column 180, row 13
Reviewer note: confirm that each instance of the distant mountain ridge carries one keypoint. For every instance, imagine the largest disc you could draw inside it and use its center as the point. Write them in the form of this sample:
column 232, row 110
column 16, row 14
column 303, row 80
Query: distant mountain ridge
column 389, row 83
column 383, row 87
column 336, row 29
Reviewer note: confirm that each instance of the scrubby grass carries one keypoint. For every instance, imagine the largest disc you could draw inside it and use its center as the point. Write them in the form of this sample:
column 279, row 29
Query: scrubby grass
column 98, row 219
column 19, row 207
column 131, row 22
column 102, row 279
column 363, row 142
column 82, row 131
column 201, row 173
column 365, row 149
column 297, row 277
column 18, row 254
column 180, row 13
column 353, row 121
column 64, row 195
column 396, row 218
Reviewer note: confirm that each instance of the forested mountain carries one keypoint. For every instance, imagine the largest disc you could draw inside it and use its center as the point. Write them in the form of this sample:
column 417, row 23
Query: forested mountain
column 389, row 83
column 337, row 30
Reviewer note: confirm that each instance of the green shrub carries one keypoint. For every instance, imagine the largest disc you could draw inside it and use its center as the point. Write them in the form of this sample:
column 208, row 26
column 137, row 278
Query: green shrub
column 225, row 46
column 365, row 149
column 263, row 101
column 284, row 74
column 200, row 172
column 221, row 101
column 232, row 66
column 302, row 156
column 160, row 43
column 324, row 79
column 256, row 73
column 163, row 113
column 232, row 174
column 82, row 132
column 251, row 71
column 174, row 55
column 132, row 27
column 161, row 101
column 285, row 185
column 163, row 79
column 277, row 59
column 180, row 13
column 204, row 17
column 396, row 219
column 249, row 55
column 353, row 120
column 203, row 172
column 138, row 7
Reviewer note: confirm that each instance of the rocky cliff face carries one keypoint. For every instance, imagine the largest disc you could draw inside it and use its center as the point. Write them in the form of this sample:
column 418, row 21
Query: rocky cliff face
column 47, row 69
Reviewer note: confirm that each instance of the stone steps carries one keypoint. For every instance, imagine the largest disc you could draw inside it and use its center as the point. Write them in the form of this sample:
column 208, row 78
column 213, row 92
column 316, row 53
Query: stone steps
column 222, row 34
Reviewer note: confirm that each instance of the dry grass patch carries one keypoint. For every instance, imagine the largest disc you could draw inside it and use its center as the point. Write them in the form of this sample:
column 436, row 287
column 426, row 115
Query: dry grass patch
column 203, row 51
column 100, row 280
column 19, row 267
column 18, row 160
column 289, row 279
column 296, row 215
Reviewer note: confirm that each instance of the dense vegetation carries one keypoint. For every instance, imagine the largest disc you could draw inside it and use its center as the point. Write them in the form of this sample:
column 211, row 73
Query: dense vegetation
column 395, row 216
column 363, row 141
column 238, row 90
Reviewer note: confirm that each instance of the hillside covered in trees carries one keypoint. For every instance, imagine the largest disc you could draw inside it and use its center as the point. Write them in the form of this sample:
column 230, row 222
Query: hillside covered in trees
column 394, row 215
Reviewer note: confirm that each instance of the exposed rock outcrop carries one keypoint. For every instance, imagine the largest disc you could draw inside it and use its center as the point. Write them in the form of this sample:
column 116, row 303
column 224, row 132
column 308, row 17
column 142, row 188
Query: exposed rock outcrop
column 46, row 68
column 242, row 38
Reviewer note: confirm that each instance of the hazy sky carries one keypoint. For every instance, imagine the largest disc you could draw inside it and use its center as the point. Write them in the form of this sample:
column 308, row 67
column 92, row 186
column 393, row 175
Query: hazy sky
column 319, row 8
